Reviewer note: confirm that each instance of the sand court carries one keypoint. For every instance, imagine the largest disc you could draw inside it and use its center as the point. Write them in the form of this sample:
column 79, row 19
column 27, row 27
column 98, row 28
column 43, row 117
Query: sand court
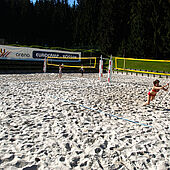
column 52, row 123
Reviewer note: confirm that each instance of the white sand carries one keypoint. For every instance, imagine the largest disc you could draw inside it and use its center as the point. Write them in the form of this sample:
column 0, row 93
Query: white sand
column 38, row 130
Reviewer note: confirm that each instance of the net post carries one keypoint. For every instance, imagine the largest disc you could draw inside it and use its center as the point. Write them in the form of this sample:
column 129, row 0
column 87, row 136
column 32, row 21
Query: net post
column 45, row 65
column 101, row 68
column 110, row 69
column 124, row 64
column 115, row 62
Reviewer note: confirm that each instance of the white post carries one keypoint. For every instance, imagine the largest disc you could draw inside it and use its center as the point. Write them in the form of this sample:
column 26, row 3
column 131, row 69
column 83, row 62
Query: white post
column 124, row 59
column 110, row 69
column 45, row 65
column 100, row 77
column 100, row 68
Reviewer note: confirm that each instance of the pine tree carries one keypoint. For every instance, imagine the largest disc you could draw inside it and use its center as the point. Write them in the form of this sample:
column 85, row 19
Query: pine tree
column 135, row 45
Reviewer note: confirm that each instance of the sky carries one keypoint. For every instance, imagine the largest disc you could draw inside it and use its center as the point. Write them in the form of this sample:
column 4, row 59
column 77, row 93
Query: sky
column 69, row 1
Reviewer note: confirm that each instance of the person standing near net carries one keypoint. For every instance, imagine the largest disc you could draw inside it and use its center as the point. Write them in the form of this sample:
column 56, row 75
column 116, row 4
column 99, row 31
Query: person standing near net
column 60, row 70
column 155, row 90
column 82, row 70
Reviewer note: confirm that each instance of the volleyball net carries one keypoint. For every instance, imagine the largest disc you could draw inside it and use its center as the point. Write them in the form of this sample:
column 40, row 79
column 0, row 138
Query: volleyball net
column 148, row 66
column 87, row 62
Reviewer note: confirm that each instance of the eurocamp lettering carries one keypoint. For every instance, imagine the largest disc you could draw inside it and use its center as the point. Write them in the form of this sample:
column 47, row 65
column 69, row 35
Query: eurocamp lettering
column 41, row 54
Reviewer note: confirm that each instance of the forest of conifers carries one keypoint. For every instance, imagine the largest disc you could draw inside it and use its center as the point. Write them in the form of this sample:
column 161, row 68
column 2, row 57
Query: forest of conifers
column 139, row 27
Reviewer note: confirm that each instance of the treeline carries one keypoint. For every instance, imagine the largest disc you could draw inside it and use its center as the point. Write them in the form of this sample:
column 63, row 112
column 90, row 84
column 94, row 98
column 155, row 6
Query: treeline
column 134, row 28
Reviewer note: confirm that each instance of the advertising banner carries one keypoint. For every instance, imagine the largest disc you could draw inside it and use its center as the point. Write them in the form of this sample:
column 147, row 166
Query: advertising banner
column 26, row 53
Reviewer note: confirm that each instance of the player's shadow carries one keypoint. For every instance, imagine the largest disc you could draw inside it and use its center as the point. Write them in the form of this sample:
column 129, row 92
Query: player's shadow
column 167, row 110
column 159, row 108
